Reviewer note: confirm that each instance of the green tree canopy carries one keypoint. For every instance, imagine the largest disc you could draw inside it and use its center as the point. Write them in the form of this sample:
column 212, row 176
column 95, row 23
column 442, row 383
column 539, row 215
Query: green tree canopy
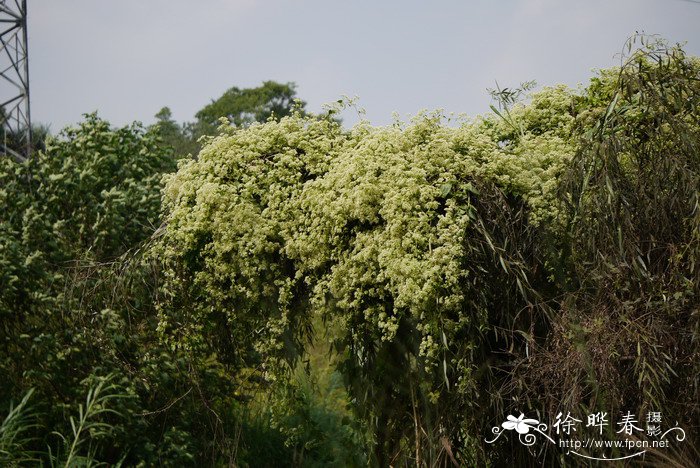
column 181, row 138
column 242, row 106
column 247, row 105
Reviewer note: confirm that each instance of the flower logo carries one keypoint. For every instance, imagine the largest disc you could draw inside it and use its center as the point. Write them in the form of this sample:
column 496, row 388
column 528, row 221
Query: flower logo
column 520, row 424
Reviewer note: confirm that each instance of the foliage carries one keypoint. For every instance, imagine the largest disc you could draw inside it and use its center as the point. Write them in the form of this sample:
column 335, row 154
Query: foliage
column 239, row 106
column 87, row 423
column 301, row 293
column 390, row 233
column 80, row 281
column 14, row 431
column 632, row 191
column 182, row 139
column 71, row 308
column 248, row 105
column 455, row 262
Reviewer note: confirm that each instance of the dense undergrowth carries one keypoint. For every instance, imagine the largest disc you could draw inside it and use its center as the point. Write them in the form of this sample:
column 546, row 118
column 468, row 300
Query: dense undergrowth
column 304, row 294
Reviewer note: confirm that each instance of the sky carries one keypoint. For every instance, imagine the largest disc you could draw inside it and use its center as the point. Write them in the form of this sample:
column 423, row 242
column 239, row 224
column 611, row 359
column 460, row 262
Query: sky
column 127, row 59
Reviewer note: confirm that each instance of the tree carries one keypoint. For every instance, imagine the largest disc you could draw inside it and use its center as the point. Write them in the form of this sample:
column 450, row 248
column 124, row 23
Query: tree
column 73, row 311
column 248, row 105
column 241, row 106
column 177, row 137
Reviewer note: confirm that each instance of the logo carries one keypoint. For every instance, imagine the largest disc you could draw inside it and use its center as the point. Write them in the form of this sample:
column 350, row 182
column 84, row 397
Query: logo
column 587, row 440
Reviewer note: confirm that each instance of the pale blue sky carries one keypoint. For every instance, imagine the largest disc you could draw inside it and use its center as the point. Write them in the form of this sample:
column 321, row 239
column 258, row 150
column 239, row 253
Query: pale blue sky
column 128, row 58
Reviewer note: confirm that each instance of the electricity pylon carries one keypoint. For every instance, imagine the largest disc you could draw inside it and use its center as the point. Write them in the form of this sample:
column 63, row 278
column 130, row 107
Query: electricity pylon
column 15, row 120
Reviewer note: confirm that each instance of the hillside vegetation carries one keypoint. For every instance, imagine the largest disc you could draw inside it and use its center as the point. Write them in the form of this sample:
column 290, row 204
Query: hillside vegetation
column 302, row 293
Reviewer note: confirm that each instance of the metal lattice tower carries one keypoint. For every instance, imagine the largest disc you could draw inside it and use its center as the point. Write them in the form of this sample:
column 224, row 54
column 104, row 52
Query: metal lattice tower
column 15, row 121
